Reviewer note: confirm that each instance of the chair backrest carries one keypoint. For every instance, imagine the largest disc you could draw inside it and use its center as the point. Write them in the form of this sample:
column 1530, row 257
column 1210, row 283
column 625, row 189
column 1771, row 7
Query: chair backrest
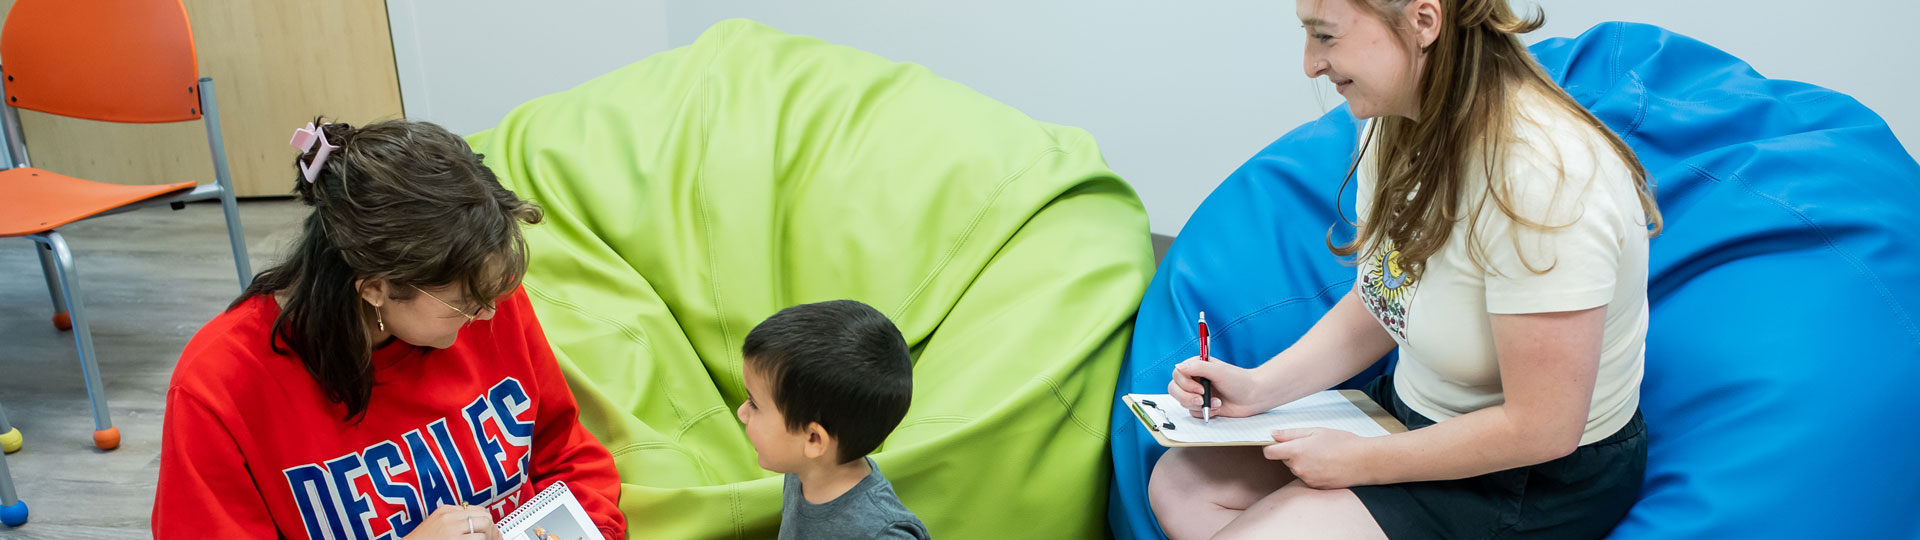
column 110, row 60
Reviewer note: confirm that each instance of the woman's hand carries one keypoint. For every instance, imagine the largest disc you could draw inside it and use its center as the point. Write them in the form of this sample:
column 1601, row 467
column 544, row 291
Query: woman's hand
column 1237, row 391
column 1321, row 458
column 456, row 521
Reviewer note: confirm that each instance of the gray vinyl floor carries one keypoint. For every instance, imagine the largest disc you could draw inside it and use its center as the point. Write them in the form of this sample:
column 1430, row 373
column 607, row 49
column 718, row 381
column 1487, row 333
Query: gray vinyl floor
column 149, row 279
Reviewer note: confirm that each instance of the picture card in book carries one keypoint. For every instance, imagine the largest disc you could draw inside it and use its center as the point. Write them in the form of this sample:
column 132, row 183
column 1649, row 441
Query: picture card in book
column 1345, row 410
column 554, row 514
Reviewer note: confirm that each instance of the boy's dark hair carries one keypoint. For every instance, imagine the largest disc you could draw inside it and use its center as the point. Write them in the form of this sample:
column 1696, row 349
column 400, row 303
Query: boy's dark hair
column 839, row 363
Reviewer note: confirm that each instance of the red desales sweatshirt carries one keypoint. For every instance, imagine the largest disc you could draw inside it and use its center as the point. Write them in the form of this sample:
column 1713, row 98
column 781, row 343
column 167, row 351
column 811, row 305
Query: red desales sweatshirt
column 253, row 448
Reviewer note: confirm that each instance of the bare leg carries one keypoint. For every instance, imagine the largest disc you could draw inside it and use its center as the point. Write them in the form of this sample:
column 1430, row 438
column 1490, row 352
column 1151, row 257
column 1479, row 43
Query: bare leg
column 1298, row 511
column 1197, row 491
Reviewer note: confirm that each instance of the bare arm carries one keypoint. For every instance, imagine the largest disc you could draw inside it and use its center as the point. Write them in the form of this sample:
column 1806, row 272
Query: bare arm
column 1548, row 363
column 1345, row 341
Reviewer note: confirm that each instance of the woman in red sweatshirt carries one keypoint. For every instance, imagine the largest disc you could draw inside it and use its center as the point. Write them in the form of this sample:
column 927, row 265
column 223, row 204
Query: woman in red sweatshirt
column 387, row 381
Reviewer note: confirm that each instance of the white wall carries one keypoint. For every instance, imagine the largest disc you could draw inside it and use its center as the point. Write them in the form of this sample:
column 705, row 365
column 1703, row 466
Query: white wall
column 1177, row 93
column 465, row 63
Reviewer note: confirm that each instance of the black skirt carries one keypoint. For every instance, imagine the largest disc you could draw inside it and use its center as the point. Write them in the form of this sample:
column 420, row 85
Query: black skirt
column 1582, row 495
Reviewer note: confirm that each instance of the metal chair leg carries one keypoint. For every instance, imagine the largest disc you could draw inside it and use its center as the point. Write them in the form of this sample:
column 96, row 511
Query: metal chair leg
column 236, row 238
column 13, row 511
column 10, row 438
column 105, row 435
column 60, row 318
column 211, row 119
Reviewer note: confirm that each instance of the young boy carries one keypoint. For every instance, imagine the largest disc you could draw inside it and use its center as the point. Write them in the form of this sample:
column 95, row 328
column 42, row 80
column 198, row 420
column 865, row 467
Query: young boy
column 826, row 383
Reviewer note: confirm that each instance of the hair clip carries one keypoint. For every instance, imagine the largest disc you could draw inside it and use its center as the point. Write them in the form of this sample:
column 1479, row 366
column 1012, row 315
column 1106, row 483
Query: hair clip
column 305, row 139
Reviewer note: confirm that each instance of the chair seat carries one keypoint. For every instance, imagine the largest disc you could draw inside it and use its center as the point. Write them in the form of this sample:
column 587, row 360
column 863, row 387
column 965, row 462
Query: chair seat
column 36, row 201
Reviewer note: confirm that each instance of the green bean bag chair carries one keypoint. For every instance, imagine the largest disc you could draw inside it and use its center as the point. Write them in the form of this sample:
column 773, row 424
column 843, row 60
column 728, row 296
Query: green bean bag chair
column 696, row 192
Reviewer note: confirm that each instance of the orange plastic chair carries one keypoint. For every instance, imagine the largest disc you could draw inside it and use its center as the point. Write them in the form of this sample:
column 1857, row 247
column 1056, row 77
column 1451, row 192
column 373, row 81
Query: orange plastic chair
column 128, row 61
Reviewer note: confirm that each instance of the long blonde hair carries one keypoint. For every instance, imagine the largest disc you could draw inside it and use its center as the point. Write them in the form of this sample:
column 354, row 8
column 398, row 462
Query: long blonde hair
column 1475, row 68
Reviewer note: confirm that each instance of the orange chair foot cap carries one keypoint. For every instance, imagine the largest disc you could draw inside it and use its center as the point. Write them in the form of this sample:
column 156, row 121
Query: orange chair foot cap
column 63, row 321
column 107, row 439
column 10, row 441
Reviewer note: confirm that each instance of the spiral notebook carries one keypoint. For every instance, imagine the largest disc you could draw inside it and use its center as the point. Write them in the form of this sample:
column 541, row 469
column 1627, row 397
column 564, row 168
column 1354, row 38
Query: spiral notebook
column 1345, row 410
column 554, row 514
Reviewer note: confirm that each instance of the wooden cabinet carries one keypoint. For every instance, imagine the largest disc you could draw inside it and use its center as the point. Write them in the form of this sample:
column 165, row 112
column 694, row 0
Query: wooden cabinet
column 274, row 63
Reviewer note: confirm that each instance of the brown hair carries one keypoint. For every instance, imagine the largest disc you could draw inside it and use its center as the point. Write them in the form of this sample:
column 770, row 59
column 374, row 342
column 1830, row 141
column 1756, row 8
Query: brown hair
column 1475, row 69
column 405, row 202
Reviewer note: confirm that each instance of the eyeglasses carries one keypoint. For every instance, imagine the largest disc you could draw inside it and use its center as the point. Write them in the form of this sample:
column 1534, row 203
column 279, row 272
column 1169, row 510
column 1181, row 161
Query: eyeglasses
column 463, row 313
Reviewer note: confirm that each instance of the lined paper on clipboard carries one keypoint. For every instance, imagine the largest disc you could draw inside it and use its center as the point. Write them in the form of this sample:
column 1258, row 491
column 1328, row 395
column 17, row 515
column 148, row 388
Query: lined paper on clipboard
column 1330, row 409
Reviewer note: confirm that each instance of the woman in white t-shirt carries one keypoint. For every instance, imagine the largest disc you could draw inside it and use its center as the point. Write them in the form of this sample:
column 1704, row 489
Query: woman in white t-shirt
column 1502, row 247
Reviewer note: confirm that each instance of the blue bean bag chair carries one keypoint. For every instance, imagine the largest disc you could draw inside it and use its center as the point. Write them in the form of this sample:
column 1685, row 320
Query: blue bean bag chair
column 1784, row 292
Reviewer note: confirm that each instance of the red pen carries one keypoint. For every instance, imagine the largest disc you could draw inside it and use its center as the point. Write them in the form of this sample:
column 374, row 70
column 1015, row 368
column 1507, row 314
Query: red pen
column 1206, row 386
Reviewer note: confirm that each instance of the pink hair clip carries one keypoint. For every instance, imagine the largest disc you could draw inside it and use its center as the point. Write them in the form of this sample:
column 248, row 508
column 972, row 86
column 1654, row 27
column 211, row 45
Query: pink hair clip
column 304, row 139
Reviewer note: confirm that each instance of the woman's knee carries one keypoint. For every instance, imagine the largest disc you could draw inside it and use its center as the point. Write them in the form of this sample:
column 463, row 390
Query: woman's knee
column 1171, row 479
column 1227, row 477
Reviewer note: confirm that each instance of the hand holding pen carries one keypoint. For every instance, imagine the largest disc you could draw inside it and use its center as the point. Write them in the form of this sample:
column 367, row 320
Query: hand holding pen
column 1206, row 385
column 1207, row 388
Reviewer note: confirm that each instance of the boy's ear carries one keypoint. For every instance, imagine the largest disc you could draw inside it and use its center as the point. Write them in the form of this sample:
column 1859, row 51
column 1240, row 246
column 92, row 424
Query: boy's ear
column 819, row 443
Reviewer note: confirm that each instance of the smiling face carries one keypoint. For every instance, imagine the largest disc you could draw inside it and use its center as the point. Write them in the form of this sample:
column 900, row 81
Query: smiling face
column 1370, row 63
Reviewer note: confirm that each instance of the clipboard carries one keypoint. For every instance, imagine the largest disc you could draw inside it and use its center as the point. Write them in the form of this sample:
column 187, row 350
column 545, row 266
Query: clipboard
column 1359, row 399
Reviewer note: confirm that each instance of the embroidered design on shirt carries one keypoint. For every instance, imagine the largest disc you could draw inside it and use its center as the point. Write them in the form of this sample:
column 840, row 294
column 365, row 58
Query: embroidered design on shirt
column 1387, row 290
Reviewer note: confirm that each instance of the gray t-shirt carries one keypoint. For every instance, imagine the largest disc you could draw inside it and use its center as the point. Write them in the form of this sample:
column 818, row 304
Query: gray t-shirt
column 869, row 510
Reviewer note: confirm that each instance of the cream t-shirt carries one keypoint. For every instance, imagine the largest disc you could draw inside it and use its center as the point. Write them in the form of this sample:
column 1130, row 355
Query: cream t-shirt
column 1448, row 366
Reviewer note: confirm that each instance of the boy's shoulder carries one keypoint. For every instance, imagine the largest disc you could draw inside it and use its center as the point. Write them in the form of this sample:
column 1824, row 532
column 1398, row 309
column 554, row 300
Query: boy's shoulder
column 870, row 510
column 888, row 517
